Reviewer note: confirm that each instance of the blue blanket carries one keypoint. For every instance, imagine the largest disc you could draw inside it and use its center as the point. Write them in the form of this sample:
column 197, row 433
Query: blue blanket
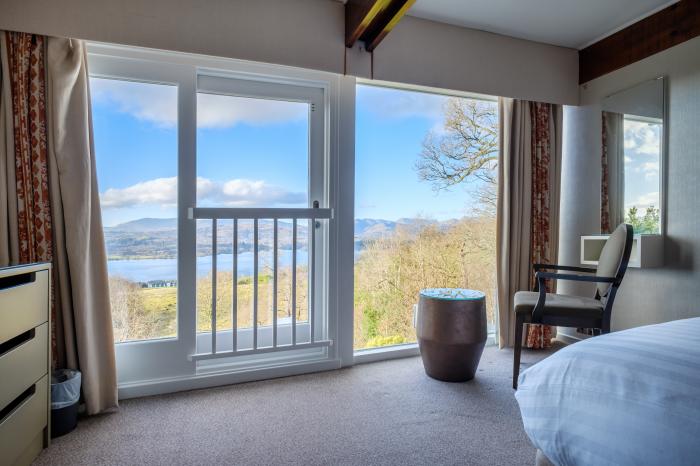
column 626, row 398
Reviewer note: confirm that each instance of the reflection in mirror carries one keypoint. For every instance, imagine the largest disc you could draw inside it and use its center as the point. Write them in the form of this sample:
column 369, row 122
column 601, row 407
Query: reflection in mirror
column 632, row 143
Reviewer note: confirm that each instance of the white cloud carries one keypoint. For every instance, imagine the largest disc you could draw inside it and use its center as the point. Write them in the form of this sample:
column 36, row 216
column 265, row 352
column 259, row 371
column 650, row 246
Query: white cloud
column 217, row 111
column 150, row 102
column 160, row 191
column 395, row 103
column 642, row 138
column 645, row 200
column 650, row 169
column 231, row 193
column 158, row 104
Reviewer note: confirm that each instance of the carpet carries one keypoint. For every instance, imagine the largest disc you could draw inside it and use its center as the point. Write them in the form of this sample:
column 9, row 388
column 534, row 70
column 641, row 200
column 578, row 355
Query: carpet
column 381, row 413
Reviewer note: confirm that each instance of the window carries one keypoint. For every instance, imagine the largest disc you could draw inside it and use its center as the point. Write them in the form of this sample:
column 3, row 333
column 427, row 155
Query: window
column 642, row 181
column 181, row 149
column 135, row 128
column 251, row 152
column 425, row 196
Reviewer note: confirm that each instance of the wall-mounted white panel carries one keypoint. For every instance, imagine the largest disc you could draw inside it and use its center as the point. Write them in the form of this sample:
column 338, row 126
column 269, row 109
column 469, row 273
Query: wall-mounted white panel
column 647, row 250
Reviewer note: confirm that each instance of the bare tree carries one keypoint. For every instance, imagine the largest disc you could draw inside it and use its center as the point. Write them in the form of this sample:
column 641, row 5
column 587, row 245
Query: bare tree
column 466, row 150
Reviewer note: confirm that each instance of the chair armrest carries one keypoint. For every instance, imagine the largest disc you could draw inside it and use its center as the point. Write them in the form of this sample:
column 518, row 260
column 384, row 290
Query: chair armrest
column 541, row 276
column 569, row 268
column 538, row 311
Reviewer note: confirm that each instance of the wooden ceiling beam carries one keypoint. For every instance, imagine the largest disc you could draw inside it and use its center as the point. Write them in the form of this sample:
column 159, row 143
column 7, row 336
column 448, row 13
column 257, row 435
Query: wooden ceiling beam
column 662, row 30
column 371, row 20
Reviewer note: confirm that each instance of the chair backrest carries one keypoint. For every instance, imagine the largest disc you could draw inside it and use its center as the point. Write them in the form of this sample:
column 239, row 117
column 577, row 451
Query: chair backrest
column 614, row 257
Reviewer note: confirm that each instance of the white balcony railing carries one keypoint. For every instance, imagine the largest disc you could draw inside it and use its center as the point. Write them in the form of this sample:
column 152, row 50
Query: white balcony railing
column 314, row 215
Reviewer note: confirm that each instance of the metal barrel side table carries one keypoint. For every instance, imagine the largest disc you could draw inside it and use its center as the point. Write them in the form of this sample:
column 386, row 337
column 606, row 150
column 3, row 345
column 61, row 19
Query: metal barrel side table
column 451, row 330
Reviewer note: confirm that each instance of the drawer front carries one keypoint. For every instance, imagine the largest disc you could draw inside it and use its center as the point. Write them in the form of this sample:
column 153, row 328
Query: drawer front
column 19, row 427
column 24, row 306
column 24, row 364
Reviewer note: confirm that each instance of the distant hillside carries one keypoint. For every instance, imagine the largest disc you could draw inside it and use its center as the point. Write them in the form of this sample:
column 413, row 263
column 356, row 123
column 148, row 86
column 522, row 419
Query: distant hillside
column 368, row 228
column 156, row 238
column 146, row 224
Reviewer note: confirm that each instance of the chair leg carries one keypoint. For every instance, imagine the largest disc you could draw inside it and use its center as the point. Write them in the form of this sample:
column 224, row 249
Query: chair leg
column 517, row 348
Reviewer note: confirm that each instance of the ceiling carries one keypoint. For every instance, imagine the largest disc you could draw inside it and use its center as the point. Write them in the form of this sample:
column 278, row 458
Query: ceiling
column 568, row 23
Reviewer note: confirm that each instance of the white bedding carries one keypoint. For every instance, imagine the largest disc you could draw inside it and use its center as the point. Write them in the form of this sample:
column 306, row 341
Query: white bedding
column 626, row 398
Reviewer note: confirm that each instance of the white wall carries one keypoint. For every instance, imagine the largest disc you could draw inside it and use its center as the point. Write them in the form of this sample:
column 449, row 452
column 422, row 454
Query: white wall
column 310, row 34
column 646, row 295
column 439, row 55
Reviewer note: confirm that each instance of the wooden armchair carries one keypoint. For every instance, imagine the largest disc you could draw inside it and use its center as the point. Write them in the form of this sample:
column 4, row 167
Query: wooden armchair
column 540, row 307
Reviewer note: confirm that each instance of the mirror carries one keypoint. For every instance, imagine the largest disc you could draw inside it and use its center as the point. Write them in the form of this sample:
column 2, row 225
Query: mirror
column 632, row 158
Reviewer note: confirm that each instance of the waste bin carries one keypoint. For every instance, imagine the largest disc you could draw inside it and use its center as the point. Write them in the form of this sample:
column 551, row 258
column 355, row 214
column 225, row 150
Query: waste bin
column 65, row 393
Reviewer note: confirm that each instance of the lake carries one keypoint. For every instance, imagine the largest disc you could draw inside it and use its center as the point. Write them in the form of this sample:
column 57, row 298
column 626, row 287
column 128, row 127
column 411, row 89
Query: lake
column 145, row 270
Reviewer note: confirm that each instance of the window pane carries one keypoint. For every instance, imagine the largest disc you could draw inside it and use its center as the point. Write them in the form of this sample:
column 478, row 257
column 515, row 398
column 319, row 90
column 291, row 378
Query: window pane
column 135, row 125
column 424, row 205
column 251, row 152
column 642, row 182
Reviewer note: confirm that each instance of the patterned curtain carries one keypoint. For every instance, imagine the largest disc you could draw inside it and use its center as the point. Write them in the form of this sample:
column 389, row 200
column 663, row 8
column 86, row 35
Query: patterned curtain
column 542, row 247
column 612, row 186
column 26, row 54
column 605, row 182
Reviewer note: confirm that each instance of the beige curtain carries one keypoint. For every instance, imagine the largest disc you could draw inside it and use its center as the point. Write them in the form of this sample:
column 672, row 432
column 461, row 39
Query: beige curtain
column 513, row 211
column 612, row 198
column 9, row 248
column 528, row 205
column 82, row 289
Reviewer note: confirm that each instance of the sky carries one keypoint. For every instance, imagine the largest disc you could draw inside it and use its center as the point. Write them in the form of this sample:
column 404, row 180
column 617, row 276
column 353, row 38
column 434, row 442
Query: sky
column 254, row 153
column 390, row 126
column 642, row 155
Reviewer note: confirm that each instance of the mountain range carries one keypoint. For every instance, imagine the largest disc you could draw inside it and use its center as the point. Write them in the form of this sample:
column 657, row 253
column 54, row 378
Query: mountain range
column 156, row 238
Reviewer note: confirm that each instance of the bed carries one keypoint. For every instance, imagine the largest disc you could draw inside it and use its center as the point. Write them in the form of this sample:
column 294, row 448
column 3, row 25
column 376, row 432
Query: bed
column 626, row 398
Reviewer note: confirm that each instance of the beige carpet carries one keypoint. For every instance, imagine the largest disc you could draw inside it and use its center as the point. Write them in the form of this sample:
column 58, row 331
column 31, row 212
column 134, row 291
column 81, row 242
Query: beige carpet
column 381, row 413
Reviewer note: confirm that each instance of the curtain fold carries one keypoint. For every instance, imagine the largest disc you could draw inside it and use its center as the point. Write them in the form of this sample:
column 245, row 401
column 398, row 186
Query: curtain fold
column 528, row 206
column 81, row 260
column 9, row 248
column 612, row 192
column 49, row 205
column 513, row 211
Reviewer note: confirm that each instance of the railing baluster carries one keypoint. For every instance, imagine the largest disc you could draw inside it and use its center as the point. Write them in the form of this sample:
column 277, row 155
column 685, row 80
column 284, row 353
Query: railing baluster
column 311, row 216
column 274, row 286
column 294, row 282
column 234, row 292
column 312, row 285
column 213, row 286
column 255, row 283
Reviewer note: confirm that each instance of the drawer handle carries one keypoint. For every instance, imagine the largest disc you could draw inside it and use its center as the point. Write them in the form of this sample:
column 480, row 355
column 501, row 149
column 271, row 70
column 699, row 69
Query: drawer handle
column 17, row 280
column 7, row 410
column 13, row 343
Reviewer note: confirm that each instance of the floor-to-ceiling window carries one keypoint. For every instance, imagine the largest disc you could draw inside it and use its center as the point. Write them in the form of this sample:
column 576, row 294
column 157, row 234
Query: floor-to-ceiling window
column 214, row 181
column 135, row 128
column 425, row 201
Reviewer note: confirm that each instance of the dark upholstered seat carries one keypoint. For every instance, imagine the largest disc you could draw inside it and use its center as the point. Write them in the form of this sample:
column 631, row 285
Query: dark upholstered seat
column 559, row 304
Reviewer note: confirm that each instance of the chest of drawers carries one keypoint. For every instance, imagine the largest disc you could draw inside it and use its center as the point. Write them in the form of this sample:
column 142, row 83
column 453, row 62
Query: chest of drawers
column 25, row 350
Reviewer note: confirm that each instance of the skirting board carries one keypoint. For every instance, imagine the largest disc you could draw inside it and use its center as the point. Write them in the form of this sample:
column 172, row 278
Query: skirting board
column 171, row 385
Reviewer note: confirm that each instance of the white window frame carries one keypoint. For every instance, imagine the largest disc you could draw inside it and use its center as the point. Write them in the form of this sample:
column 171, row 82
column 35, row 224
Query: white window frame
column 159, row 366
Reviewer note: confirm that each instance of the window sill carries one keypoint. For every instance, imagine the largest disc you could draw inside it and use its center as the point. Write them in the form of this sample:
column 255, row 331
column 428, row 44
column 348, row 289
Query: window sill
column 385, row 353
